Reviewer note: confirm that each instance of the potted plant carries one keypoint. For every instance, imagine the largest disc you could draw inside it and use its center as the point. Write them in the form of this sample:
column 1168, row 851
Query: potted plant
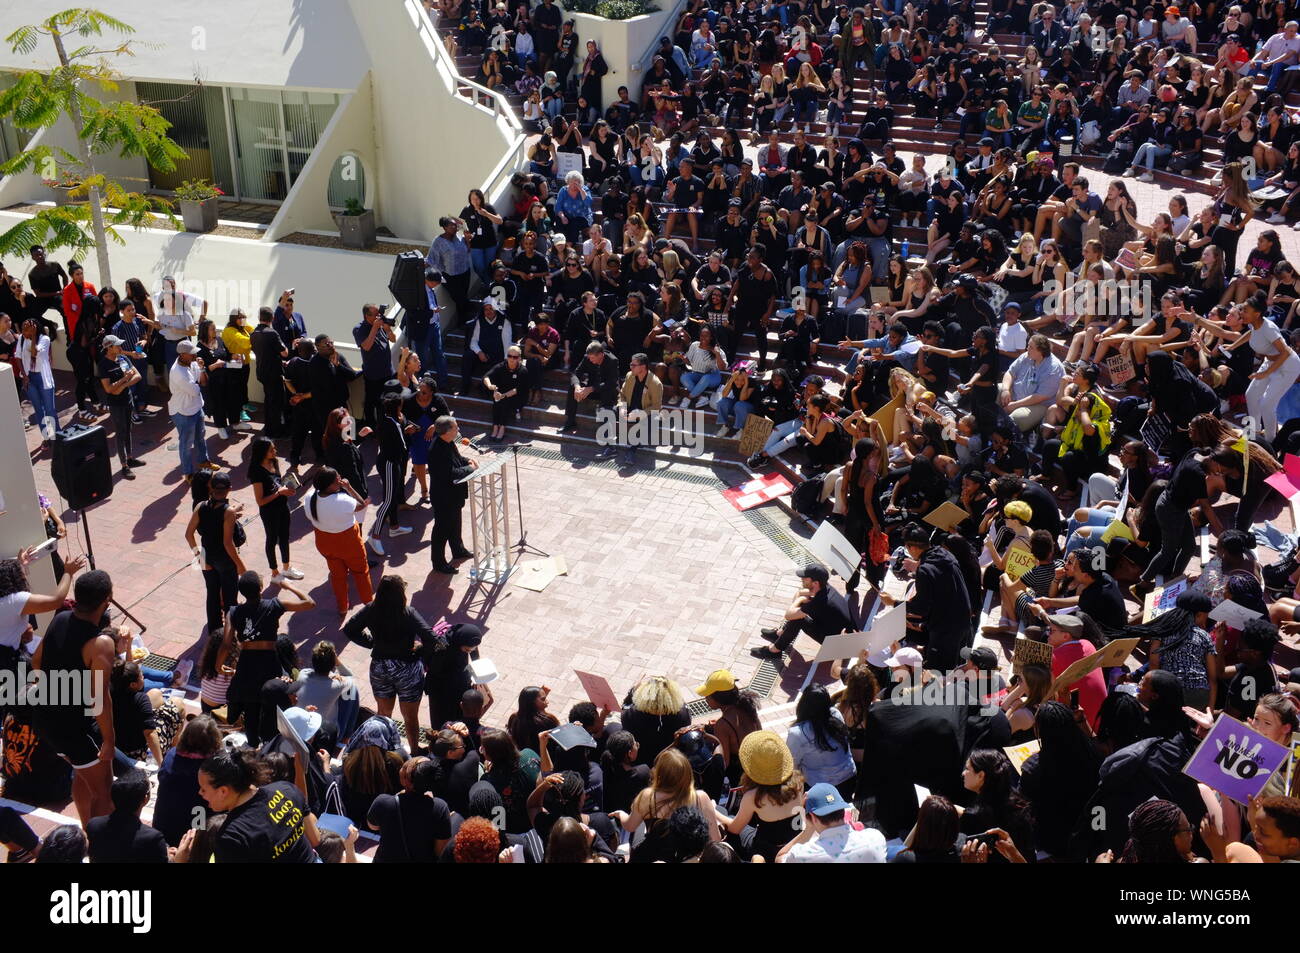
column 64, row 187
column 198, row 198
column 356, row 225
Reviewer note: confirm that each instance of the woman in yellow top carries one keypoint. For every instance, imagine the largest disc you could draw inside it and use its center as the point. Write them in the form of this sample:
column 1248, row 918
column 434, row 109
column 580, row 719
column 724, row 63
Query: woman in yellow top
column 1085, row 441
column 235, row 336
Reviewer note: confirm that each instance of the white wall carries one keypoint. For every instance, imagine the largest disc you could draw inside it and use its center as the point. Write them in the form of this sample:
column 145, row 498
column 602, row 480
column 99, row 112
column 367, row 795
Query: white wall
column 432, row 146
column 21, row 523
column 624, row 44
column 350, row 130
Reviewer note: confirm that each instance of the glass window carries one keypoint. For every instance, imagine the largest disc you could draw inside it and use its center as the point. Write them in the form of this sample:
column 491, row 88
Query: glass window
column 259, row 144
column 347, row 181
column 305, row 117
column 198, row 126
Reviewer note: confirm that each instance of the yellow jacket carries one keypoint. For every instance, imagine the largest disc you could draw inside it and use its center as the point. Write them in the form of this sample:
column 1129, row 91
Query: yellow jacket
column 238, row 342
column 653, row 396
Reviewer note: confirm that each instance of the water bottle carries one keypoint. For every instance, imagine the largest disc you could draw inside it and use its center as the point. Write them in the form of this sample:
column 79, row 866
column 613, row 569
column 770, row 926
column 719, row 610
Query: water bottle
column 906, row 245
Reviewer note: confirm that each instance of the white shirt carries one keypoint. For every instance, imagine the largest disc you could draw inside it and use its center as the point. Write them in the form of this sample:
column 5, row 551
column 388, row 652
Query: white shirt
column 13, row 621
column 184, row 311
column 41, row 363
column 186, row 399
column 1012, row 337
column 336, row 513
column 840, row 845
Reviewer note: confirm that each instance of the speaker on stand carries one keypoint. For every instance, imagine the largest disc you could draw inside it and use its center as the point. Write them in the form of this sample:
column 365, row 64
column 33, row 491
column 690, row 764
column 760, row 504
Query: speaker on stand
column 407, row 282
column 82, row 465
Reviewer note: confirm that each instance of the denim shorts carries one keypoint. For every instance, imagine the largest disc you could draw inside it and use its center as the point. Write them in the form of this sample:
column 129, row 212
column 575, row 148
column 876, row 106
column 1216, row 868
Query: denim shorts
column 392, row 677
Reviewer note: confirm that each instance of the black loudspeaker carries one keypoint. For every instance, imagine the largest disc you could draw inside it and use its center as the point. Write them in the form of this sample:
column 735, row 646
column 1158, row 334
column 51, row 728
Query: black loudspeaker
column 82, row 466
column 407, row 282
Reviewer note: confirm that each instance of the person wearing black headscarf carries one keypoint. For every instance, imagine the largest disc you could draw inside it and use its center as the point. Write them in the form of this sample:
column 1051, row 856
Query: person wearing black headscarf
column 447, row 674
column 1178, row 394
column 1152, row 767
column 1058, row 779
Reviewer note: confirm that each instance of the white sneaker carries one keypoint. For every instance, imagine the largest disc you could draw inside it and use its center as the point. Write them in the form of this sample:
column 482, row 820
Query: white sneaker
column 1147, row 177
column 374, row 543
column 1277, row 218
column 398, row 531
column 277, row 577
column 172, row 447
column 243, row 425
column 723, row 431
column 294, row 574
column 701, row 401
column 1296, row 226
column 1130, row 173
column 685, row 401
column 223, row 433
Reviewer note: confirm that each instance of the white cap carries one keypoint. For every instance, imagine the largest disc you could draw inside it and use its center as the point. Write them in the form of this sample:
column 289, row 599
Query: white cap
column 905, row 656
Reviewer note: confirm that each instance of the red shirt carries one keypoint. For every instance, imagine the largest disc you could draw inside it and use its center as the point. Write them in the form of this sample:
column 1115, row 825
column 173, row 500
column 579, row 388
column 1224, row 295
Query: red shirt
column 72, row 296
column 1091, row 688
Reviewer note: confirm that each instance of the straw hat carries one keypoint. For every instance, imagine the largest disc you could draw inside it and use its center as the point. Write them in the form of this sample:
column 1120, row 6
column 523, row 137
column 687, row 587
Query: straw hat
column 766, row 758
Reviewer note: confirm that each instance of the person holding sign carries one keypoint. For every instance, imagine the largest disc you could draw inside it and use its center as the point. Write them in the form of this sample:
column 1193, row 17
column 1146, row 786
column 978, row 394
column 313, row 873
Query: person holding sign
column 1065, row 636
column 1018, row 589
column 938, row 616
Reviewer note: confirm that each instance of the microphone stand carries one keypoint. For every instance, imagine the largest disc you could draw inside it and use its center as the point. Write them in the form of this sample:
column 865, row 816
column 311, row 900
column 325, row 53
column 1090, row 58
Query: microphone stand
column 522, row 545
column 90, row 558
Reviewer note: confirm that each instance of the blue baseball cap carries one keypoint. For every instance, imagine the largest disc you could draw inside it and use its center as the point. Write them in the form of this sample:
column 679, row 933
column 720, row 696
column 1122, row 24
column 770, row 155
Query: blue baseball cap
column 1012, row 304
column 824, row 800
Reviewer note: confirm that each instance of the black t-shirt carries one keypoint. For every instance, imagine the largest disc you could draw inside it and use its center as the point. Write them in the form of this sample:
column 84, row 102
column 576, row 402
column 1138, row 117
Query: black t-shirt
column 257, row 621
column 687, row 192
column 1104, row 603
column 270, row 827
column 132, row 717
column 753, row 293
column 457, row 778
column 1047, row 515
column 121, row 838
column 1187, row 483
column 482, row 233
column 114, row 371
column 409, row 824
column 270, row 480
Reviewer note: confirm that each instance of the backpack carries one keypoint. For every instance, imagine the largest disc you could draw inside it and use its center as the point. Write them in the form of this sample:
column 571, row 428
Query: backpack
column 807, row 497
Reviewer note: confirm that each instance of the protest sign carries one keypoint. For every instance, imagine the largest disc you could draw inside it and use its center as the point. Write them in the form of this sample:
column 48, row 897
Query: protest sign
column 1235, row 760
column 1287, row 480
column 1155, row 430
column 885, row 417
column 598, row 691
column 1161, row 599
column 1121, row 369
column 834, row 551
column 754, row 435
column 758, row 491
column 1029, row 652
column 1233, row 615
column 1081, row 668
column 1019, row 754
column 1019, row 561
column 1117, row 651
column 946, row 516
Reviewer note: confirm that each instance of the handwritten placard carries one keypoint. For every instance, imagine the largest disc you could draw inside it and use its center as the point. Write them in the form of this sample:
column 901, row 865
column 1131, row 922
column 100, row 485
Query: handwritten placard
column 1030, row 652
column 1235, row 760
column 598, row 690
column 832, row 549
column 754, row 435
column 1233, row 614
column 1019, row 754
column 1019, row 561
column 1121, row 369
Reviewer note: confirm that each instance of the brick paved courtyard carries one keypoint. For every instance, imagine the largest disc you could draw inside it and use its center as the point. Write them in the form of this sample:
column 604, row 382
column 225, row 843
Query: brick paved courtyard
column 664, row 576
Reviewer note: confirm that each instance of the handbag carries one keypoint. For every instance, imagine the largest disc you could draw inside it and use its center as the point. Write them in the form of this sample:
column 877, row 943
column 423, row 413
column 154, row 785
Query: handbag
column 333, row 818
column 877, row 546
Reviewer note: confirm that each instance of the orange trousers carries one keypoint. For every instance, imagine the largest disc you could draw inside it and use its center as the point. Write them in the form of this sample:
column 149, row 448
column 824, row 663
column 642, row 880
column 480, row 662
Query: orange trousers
column 346, row 553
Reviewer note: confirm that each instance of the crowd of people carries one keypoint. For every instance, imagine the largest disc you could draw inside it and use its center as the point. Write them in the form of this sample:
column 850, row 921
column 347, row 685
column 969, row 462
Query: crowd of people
column 997, row 381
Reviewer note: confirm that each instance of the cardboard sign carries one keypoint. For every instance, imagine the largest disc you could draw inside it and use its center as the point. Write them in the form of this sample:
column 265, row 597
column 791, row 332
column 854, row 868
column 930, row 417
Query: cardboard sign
column 1019, row 754
column 848, row 644
column 598, row 691
column 1121, row 369
column 764, row 489
column 755, row 434
column 1019, row 561
column 1116, row 652
column 1287, row 480
column 885, row 417
column 1029, row 652
column 946, row 516
column 1235, row 760
column 1233, row 615
column 894, row 587
column 834, row 551
column 1081, row 668
column 1161, row 599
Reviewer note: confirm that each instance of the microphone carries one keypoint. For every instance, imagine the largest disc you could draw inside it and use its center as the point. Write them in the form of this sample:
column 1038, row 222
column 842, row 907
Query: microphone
column 470, row 443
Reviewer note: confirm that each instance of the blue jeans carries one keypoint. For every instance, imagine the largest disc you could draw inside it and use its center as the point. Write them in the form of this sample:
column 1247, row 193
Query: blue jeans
column 190, row 443
column 481, row 261
column 783, row 437
column 1149, row 153
column 43, row 408
column 553, row 107
column 1274, row 74
column 729, row 407
column 1095, row 517
column 697, row 384
column 879, row 250
column 169, row 355
column 429, row 350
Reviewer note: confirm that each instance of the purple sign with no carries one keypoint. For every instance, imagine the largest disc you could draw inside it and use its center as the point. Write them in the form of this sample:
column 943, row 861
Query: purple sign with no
column 1235, row 760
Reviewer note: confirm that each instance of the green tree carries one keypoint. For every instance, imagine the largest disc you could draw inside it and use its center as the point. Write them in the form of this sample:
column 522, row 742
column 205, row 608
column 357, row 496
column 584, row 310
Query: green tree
column 40, row 98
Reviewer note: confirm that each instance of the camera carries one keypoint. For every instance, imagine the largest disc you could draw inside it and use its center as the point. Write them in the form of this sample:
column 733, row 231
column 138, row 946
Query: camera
column 383, row 314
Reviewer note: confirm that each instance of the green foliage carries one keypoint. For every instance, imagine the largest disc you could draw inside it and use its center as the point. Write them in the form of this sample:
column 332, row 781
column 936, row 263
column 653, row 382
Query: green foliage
column 353, row 207
column 611, row 9
column 197, row 190
column 39, row 99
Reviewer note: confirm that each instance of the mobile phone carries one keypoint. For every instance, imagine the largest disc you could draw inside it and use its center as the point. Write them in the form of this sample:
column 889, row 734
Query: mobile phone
column 1074, row 700
column 988, row 839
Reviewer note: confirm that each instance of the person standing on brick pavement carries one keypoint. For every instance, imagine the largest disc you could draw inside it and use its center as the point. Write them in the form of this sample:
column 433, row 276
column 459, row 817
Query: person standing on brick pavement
column 214, row 535
column 117, row 375
column 186, row 377
column 375, row 336
column 446, row 467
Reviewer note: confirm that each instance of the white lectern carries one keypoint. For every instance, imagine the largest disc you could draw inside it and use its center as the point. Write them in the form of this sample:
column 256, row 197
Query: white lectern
column 489, row 520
